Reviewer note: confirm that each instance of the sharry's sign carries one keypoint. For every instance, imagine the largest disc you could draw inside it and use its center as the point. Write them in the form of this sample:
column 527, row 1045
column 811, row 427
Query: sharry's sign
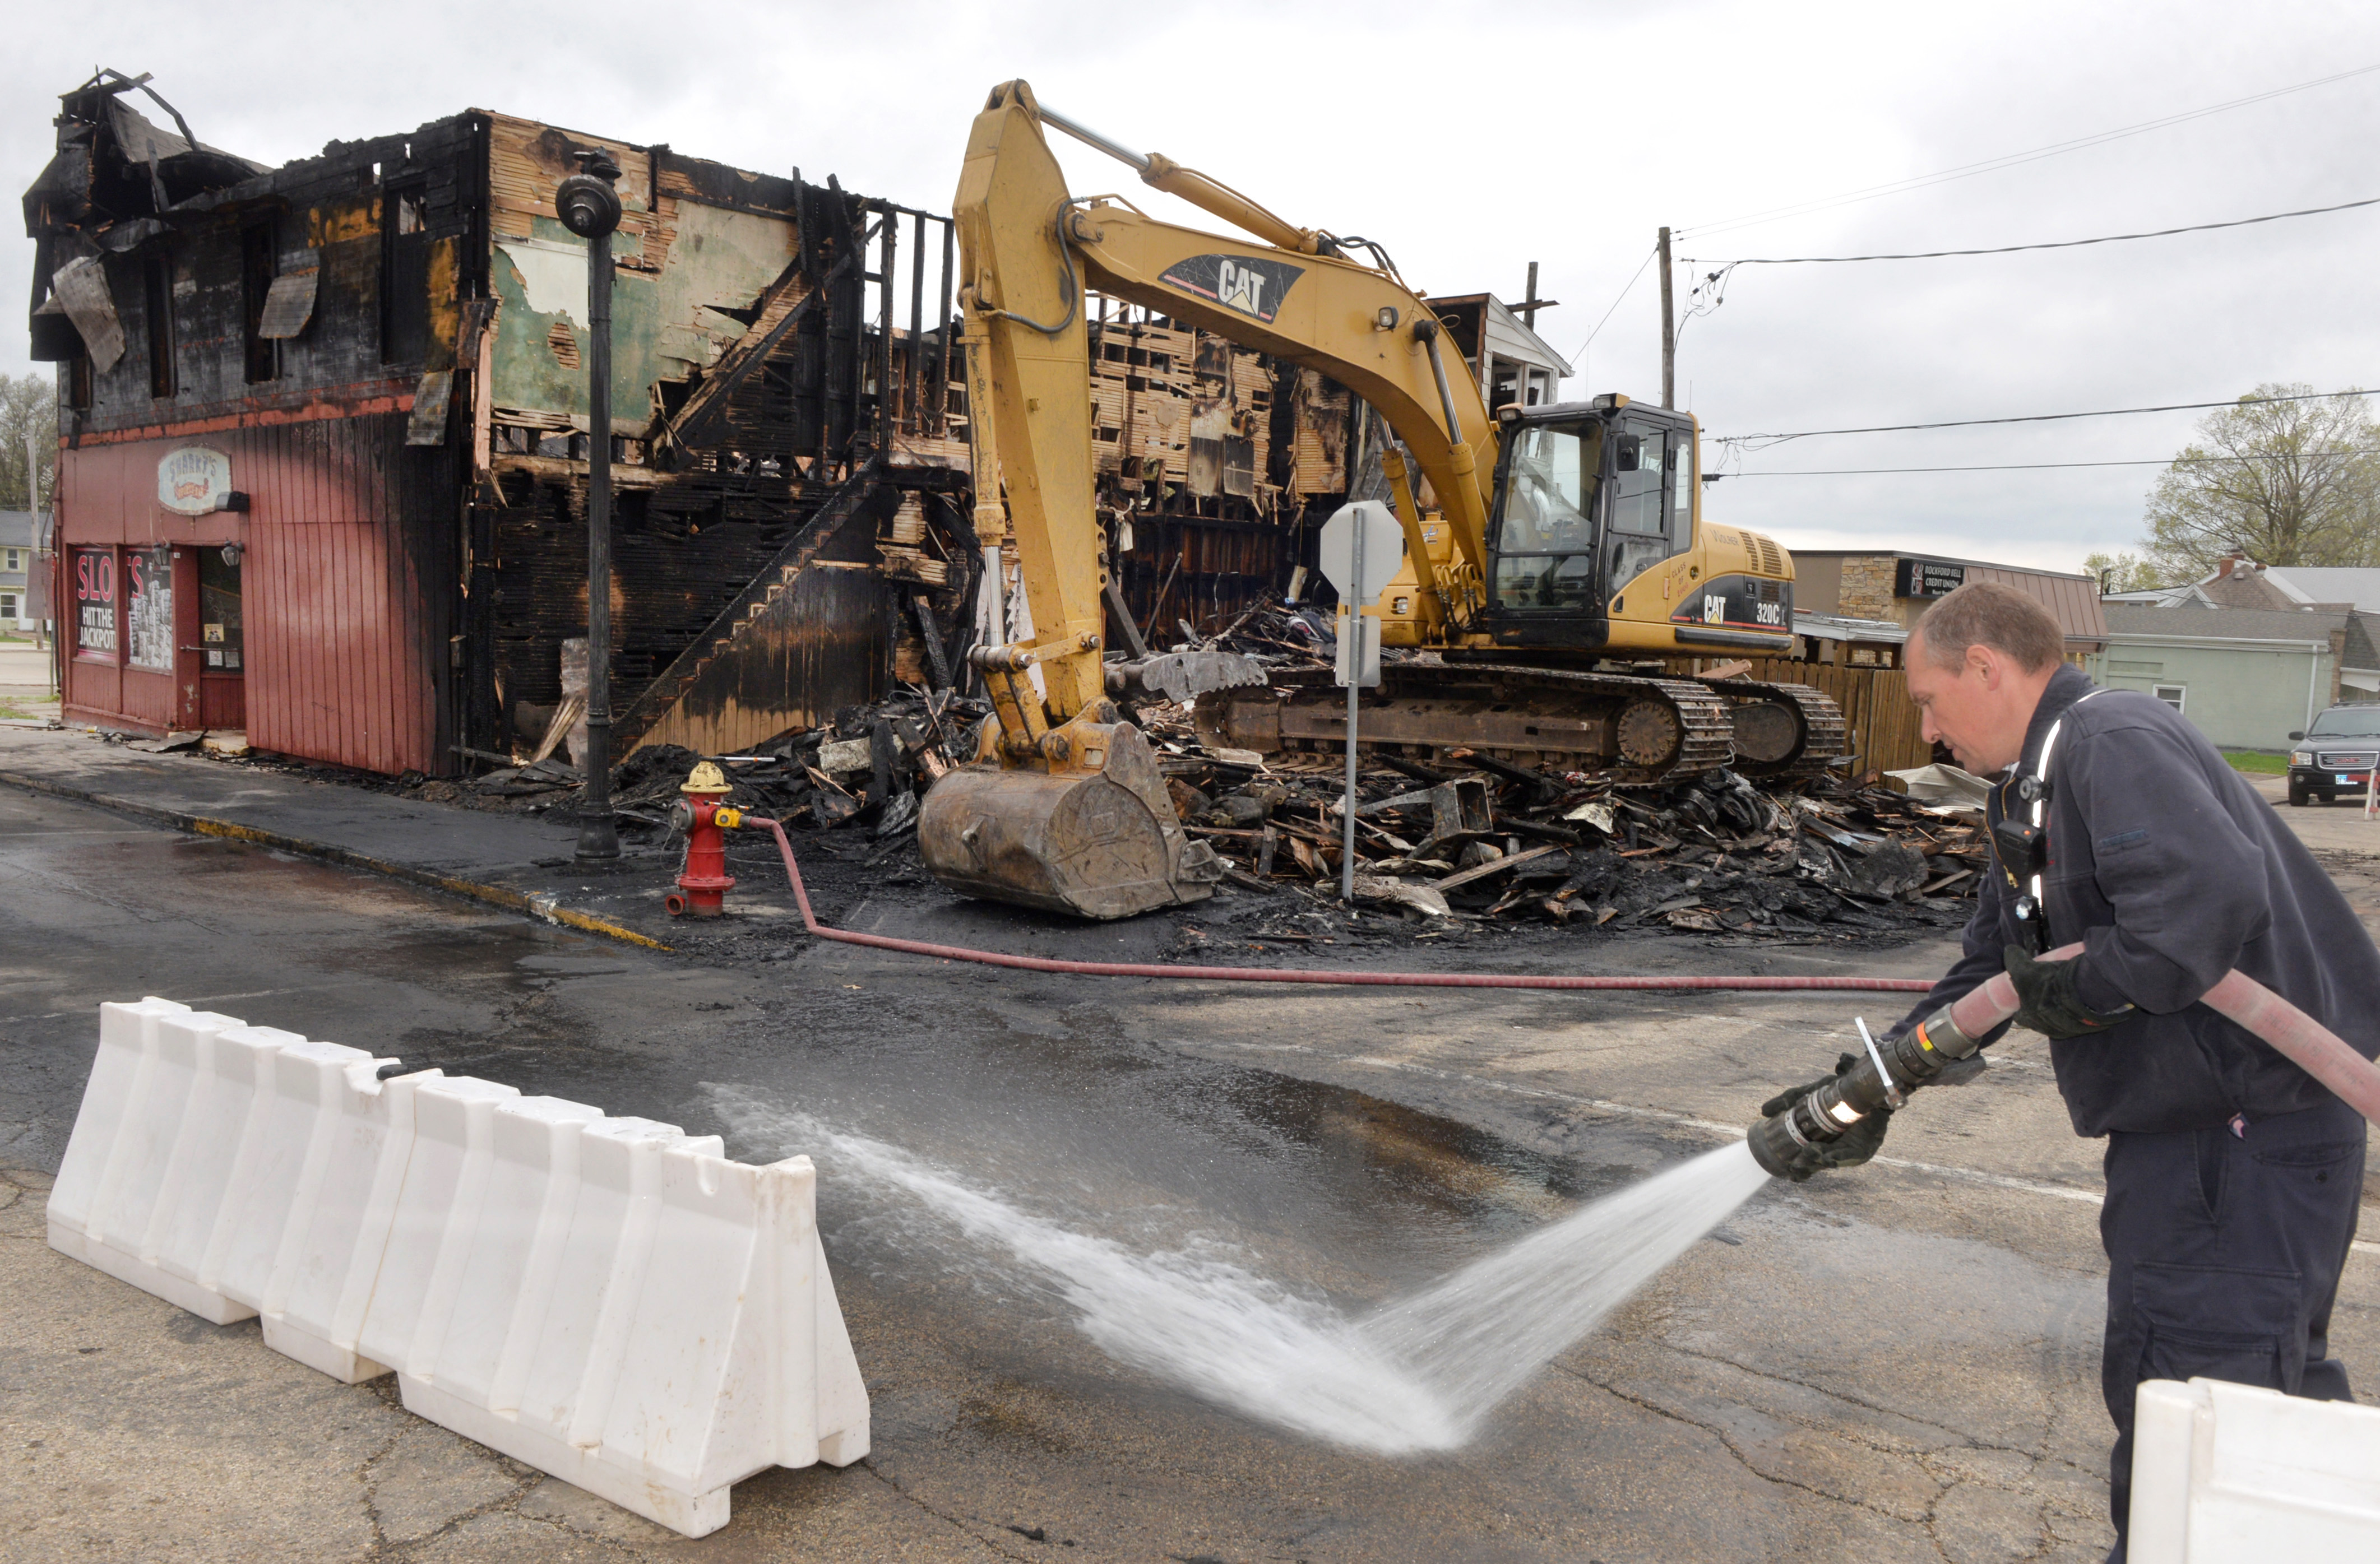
column 194, row 480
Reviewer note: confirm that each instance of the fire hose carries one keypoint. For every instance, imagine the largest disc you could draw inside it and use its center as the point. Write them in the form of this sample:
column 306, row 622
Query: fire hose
column 1894, row 1069
column 1307, row 974
column 1884, row 1079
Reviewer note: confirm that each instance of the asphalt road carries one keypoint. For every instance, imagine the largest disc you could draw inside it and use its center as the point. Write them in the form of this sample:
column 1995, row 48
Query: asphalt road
column 1896, row 1365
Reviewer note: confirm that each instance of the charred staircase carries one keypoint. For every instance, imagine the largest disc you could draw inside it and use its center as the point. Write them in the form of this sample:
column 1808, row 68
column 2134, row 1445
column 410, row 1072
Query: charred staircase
column 819, row 628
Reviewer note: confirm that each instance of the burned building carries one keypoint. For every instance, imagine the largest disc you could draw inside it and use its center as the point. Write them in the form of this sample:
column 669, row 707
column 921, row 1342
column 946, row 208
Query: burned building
column 322, row 472
column 324, row 443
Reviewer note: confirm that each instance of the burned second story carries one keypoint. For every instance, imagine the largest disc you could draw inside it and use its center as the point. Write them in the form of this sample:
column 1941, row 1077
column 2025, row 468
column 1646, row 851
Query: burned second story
column 179, row 281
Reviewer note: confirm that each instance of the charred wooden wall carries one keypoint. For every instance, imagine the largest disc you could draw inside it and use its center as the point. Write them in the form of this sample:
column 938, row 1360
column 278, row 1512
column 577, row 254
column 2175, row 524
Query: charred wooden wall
column 1215, row 466
column 760, row 366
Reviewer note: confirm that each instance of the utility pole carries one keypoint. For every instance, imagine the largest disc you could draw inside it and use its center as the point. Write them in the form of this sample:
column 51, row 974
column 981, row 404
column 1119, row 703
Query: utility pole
column 1669, row 332
column 590, row 207
column 1528, row 309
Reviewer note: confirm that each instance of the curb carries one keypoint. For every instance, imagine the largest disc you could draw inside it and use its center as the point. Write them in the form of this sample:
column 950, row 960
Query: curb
column 546, row 908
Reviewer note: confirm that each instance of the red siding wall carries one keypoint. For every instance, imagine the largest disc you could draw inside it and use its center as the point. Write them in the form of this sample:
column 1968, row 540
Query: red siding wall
column 347, row 580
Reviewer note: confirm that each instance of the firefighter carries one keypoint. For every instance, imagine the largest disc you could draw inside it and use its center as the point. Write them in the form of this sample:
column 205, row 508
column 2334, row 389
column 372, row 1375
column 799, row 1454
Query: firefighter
column 2233, row 1177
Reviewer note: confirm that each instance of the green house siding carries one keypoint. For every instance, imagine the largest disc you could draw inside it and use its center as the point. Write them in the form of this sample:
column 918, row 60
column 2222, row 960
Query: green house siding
column 2241, row 697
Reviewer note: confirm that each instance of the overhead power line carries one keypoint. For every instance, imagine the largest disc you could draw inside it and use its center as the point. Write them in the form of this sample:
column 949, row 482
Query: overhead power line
column 2040, row 417
column 2042, row 466
column 1968, row 171
column 2053, row 244
column 1616, row 303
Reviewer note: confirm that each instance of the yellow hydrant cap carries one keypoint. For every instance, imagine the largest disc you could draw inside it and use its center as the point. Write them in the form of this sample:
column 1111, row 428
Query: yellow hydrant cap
column 705, row 778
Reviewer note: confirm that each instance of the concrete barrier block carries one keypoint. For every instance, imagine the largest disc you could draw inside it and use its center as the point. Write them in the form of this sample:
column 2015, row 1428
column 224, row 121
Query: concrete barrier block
column 689, row 1336
column 438, row 1205
column 2227, row 1473
column 132, row 1198
column 488, row 1327
column 127, row 1040
column 207, row 1179
column 610, row 1299
column 328, row 1260
column 280, row 1167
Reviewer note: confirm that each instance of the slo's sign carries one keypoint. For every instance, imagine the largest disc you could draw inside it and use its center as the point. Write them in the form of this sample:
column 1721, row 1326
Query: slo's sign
column 94, row 589
column 194, row 480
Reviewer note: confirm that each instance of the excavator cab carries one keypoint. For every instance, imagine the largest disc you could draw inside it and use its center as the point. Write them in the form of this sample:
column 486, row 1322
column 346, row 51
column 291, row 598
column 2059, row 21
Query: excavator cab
column 1588, row 498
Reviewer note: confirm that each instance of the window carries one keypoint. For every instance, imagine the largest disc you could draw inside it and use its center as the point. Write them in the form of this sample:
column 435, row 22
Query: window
column 157, row 318
column 1646, row 527
column 94, row 590
column 12, row 560
column 1680, row 460
column 7, row 605
column 404, row 275
column 78, row 383
column 148, row 609
column 2172, row 694
column 1545, row 529
column 258, row 256
column 2362, row 722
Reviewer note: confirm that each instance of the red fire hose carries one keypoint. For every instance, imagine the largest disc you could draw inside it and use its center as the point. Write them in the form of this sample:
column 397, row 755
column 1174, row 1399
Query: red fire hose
column 2310, row 1045
column 1307, row 974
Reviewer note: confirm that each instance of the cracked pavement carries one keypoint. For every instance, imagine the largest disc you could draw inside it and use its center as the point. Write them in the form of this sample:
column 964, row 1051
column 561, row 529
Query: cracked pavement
column 1896, row 1365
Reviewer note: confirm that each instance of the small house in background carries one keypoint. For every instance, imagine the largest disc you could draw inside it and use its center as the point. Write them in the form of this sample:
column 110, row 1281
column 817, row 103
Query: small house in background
column 1900, row 586
column 1513, row 365
column 24, row 602
column 2247, row 677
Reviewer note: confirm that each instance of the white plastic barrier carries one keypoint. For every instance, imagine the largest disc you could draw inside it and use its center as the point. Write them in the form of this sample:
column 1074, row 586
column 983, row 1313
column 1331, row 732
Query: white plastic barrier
column 608, row 1299
column 2227, row 1473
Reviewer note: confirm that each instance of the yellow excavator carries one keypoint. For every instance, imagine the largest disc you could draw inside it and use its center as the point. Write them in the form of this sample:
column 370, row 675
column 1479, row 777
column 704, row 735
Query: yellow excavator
column 1563, row 537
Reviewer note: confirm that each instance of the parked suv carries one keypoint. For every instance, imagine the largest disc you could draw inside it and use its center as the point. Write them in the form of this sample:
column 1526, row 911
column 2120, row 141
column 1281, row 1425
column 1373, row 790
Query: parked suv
column 2336, row 754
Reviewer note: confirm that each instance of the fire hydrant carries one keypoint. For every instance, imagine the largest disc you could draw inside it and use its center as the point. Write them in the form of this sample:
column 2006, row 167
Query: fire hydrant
column 703, row 883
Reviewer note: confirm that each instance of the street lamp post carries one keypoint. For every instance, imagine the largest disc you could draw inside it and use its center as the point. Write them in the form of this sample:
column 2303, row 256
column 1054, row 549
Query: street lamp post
column 590, row 207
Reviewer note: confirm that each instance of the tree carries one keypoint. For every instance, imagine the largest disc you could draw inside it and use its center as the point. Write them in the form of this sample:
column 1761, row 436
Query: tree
column 2121, row 572
column 29, row 408
column 2280, row 482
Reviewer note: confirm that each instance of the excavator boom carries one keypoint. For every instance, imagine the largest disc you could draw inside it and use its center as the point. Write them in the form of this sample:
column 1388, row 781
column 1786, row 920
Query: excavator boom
column 1065, row 807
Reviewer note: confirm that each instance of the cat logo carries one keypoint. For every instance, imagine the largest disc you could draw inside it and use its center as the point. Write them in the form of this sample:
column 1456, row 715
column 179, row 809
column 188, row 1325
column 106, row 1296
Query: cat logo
column 1241, row 288
column 1248, row 285
column 1714, row 608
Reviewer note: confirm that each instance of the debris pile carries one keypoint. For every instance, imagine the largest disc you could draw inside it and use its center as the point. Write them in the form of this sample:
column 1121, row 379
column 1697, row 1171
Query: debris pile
column 1466, row 841
column 1479, row 838
column 866, row 768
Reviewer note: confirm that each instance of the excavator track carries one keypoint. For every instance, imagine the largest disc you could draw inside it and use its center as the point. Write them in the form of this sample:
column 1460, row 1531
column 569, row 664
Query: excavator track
column 1643, row 732
column 1783, row 732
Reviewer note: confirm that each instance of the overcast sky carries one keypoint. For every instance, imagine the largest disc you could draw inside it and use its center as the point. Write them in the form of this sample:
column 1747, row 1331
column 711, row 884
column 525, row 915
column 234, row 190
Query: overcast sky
column 1472, row 140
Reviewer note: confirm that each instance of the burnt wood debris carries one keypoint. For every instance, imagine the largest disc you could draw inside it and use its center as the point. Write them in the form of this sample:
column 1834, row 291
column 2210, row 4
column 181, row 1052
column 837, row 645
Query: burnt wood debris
column 1465, row 841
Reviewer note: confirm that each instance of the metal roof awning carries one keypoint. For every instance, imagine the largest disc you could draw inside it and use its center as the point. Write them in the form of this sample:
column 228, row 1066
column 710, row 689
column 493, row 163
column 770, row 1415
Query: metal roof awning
column 1842, row 628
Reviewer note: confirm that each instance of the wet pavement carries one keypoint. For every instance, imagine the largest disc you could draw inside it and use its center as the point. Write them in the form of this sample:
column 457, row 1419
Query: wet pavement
column 1897, row 1365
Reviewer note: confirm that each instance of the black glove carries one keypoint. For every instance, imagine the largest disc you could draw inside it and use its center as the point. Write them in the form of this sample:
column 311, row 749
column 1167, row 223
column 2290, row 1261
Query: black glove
column 2051, row 1005
column 1855, row 1146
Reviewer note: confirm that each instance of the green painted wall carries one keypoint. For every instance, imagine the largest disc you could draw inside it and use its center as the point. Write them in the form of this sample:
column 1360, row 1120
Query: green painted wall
column 2239, row 697
column 664, row 325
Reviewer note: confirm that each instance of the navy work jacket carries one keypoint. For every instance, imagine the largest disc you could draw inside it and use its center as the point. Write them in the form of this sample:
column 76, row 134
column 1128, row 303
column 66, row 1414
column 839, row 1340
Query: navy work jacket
column 2172, row 869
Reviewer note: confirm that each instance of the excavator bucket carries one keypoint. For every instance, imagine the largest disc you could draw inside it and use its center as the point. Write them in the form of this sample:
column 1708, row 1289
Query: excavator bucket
column 1086, row 828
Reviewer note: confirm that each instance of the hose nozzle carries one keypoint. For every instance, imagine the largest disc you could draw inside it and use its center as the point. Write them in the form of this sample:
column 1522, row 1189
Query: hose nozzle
column 1890, row 1071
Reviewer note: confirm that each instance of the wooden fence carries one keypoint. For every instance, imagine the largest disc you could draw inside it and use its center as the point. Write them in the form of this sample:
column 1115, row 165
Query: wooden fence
column 1881, row 724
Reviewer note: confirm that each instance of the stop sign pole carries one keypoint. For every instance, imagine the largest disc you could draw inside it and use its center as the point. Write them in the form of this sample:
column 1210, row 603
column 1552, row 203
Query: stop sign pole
column 1355, row 657
column 1360, row 550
